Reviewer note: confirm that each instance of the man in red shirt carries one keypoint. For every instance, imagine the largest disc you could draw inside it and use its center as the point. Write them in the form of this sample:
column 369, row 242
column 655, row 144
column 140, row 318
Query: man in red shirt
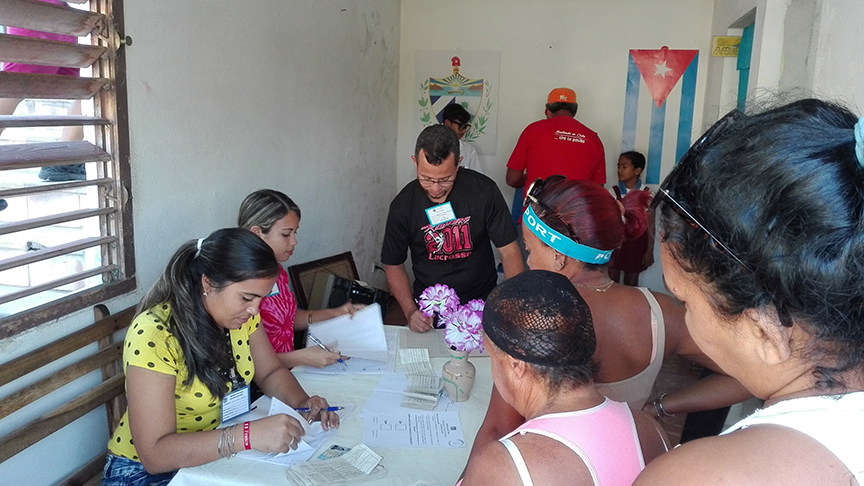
column 557, row 145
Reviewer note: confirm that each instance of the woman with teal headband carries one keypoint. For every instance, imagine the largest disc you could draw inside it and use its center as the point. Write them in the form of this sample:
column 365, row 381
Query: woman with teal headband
column 572, row 227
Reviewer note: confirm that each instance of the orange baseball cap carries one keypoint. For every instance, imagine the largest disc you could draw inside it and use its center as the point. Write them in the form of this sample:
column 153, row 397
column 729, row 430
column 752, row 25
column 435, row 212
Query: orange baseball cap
column 561, row 95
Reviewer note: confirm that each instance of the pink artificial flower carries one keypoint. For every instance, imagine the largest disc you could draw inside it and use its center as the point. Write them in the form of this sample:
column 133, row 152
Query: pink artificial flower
column 463, row 329
column 476, row 305
column 438, row 298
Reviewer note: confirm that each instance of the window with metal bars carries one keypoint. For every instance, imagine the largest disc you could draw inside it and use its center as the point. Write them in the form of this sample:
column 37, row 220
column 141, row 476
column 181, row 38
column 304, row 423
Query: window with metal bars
column 65, row 206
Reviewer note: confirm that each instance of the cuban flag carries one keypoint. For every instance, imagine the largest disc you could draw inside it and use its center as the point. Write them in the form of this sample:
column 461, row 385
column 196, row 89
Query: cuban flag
column 661, row 92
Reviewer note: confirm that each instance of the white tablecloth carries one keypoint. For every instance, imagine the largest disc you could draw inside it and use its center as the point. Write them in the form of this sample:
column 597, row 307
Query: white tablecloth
column 405, row 466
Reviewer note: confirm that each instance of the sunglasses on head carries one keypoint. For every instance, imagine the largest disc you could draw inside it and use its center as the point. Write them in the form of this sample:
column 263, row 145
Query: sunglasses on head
column 536, row 187
column 532, row 195
column 667, row 191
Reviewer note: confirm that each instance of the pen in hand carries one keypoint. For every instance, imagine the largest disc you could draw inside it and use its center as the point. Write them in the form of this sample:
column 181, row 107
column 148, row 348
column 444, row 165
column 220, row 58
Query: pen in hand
column 328, row 409
column 320, row 345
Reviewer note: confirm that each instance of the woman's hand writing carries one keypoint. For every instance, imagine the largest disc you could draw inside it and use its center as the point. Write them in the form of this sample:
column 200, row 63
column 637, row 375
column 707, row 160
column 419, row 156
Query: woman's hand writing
column 317, row 357
column 316, row 406
column 276, row 433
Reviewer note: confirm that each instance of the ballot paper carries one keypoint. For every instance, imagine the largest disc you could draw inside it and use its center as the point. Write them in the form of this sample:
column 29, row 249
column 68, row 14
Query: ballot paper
column 413, row 429
column 357, row 336
column 358, row 464
column 432, row 341
column 314, row 435
column 422, row 391
column 363, row 366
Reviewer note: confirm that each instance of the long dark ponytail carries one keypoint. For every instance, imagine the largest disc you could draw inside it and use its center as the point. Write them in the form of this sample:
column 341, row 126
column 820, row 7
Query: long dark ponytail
column 225, row 257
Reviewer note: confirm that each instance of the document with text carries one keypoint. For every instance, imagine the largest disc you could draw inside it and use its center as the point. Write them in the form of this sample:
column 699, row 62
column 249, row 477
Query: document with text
column 413, row 429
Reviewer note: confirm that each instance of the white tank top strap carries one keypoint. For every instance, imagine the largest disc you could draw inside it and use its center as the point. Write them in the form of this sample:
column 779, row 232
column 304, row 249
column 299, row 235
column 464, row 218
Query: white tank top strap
column 636, row 389
column 518, row 461
column 658, row 326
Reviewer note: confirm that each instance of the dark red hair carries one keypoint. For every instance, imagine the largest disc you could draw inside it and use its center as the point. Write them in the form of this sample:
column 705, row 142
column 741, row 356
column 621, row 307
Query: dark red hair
column 589, row 214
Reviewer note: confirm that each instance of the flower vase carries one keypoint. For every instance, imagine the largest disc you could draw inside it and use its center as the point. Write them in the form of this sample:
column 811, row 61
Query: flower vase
column 458, row 376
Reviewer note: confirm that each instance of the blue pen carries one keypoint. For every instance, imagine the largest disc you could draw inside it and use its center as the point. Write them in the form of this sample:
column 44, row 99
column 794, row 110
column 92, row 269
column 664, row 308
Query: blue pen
column 328, row 409
column 320, row 344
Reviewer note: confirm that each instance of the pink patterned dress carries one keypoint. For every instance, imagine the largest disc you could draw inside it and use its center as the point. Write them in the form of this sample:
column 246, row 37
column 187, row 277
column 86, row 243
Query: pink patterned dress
column 278, row 311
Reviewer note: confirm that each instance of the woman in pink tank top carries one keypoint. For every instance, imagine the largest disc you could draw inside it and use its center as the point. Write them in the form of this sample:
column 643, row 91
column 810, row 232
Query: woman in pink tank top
column 540, row 338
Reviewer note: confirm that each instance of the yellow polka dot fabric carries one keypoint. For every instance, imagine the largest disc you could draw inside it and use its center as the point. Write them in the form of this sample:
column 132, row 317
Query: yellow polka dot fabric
column 151, row 346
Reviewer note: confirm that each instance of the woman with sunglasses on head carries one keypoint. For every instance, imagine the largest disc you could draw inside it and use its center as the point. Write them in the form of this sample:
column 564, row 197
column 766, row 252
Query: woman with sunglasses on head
column 189, row 357
column 762, row 237
column 572, row 227
column 275, row 218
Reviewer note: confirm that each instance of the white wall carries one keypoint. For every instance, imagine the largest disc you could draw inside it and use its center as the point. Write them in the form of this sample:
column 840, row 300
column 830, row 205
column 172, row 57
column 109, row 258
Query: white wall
column 838, row 70
column 806, row 46
column 227, row 97
column 544, row 44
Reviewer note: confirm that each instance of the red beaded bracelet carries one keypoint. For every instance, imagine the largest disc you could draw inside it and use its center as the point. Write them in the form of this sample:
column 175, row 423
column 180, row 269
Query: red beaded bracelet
column 246, row 443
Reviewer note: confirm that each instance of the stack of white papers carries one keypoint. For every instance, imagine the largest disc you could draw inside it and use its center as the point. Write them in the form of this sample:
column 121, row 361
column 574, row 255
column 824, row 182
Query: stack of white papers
column 423, row 385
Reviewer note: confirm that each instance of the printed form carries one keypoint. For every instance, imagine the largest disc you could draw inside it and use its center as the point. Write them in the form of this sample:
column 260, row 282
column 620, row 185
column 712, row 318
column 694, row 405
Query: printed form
column 413, row 429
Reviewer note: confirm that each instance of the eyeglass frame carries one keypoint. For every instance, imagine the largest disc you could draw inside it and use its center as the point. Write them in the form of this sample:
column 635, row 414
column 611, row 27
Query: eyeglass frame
column 666, row 194
column 444, row 183
column 462, row 126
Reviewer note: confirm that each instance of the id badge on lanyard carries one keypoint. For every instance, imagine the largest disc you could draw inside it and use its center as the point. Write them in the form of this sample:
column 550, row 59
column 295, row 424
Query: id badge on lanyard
column 237, row 402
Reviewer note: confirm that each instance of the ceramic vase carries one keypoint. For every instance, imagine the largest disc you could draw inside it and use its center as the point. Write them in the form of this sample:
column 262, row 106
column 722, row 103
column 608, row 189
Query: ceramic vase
column 458, row 376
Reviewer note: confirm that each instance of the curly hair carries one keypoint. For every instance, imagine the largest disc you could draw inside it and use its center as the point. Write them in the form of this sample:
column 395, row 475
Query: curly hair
column 784, row 192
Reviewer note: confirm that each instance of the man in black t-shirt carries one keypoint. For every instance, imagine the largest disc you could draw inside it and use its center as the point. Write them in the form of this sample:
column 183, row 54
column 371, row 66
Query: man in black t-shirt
column 447, row 218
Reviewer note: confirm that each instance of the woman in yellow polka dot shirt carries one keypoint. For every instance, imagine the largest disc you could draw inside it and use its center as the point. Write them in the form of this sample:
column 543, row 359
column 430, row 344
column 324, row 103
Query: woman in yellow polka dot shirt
column 194, row 342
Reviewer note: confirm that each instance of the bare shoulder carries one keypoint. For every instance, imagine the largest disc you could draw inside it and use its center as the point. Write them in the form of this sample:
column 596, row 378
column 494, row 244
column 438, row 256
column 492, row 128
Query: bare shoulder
column 490, row 465
column 678, row 339
column 759, row 455
column 652, row 437
column 551, row 463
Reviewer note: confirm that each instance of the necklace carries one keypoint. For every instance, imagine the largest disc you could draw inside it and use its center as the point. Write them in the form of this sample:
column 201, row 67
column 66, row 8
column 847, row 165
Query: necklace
column 596, row 288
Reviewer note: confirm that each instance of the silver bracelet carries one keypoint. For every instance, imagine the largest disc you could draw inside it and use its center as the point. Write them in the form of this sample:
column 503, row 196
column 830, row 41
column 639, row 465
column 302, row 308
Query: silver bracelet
column 658, row 407
column 225, row 445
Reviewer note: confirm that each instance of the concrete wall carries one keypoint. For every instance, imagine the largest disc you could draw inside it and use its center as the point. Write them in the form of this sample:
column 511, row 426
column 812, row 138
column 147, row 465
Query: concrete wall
column 225, row 98
column 838, row 71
